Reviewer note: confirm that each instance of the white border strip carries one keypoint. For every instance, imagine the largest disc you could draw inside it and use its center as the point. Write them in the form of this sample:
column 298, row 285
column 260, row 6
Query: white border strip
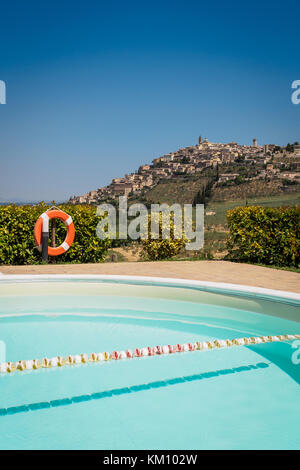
column 177, row 282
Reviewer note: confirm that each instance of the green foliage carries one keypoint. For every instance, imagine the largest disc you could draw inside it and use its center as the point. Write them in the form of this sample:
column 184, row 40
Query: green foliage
column 287, row 182
column 17, row 244
column 289, row 148
column 265, row 235
column 163, row 248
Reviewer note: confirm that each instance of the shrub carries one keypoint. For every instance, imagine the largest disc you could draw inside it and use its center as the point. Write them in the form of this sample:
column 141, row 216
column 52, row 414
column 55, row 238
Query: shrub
column 162, row 248
column 264, row 235
column 17, row 244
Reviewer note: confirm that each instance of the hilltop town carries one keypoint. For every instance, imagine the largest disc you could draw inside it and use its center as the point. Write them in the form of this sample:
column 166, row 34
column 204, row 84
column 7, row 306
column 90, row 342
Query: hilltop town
column 266, row 163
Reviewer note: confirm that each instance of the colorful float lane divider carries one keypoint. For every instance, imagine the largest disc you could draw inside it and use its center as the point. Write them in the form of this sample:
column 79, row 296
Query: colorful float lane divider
column 59, row 361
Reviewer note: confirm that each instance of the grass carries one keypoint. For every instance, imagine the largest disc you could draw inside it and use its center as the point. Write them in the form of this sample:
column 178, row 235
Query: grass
column 216, row 225
column 182, row 190
column 215, row 234
column 220, row 208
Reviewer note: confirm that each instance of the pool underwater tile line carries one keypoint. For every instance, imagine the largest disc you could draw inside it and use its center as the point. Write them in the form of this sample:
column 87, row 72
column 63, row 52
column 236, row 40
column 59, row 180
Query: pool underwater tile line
column 127, row 390
column 79, row 359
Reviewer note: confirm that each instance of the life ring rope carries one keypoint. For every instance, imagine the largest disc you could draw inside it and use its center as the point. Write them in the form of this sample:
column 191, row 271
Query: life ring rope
column 42, row 225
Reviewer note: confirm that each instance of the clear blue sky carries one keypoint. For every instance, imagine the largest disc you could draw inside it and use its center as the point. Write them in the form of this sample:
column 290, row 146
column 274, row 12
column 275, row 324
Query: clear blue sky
column 94, row 89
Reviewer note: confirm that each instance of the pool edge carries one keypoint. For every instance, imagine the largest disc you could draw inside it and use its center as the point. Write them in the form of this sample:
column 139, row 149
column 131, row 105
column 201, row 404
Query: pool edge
column 234, row 288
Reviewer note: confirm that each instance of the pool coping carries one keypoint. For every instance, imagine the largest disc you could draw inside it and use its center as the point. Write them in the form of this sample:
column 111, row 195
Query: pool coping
column 237, row 288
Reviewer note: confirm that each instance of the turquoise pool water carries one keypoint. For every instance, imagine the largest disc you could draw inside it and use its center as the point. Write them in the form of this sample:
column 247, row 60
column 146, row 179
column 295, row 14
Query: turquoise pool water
column 235, row 398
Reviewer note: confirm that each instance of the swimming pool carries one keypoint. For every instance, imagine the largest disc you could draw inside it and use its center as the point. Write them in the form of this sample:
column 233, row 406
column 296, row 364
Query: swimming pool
column 225, row 398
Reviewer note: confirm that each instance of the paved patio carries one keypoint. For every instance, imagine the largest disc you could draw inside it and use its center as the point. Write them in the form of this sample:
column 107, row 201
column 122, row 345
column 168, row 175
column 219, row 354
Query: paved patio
column 216, row 271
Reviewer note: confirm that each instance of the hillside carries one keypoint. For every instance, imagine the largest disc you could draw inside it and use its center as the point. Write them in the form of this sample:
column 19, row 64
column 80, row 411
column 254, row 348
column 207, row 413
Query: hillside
column 206, row 172
column 180, row 190
column 189, row 189
column 251, row 189
column 181, row 176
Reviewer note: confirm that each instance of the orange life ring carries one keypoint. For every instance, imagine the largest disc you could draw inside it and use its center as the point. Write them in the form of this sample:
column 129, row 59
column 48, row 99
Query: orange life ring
column 44, row 220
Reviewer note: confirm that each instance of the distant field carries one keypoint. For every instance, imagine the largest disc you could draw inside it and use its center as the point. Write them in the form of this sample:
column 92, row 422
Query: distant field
column 216, row 225
column 220, row 208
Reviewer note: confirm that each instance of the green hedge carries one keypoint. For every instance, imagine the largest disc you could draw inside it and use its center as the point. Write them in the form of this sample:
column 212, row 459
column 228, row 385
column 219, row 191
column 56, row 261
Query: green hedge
column 17, row 244
column 265, row 235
